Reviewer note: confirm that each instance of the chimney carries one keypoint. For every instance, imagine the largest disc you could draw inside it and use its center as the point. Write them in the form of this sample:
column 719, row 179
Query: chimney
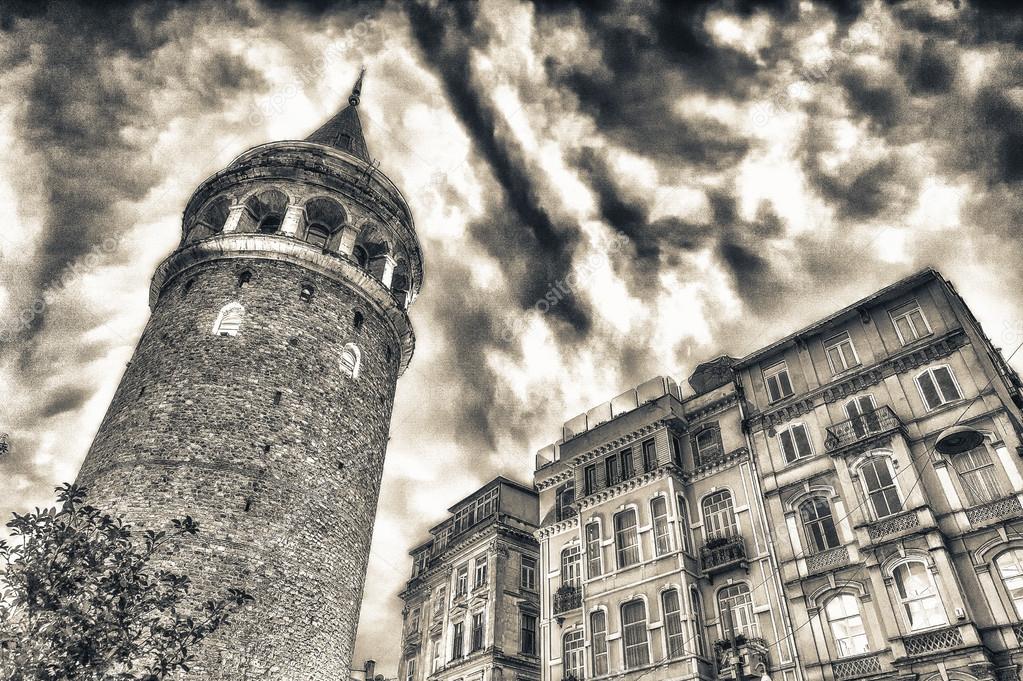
column 371, row 666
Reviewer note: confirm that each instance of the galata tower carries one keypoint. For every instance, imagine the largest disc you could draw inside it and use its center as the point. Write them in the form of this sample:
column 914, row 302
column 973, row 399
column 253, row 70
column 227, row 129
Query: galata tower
column 259, row 397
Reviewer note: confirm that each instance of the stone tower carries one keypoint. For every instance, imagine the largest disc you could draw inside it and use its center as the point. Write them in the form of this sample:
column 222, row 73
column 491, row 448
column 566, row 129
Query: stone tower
column 259, row 397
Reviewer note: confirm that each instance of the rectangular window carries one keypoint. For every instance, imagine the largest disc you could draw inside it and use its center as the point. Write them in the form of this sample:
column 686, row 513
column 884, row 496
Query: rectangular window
column 662, row 532
column 477, row 631
column 707, row 446
column 462, row 581
column 611, row 470
column 626, row 539
column 457, row 640
column 598, row 639
column 590, row 479
column 776, row 379
column 439, row 597
column 465, row 518
column 683, row 525
column 634, row 635
column 486, row 505
column 795, row 443
column 481, row 572
column 909, row 322
column 676, row 451
column 649, row 455
column 880, row 485
column 628, row 470
column 841, row 353
column 593, row 562
column 527, row 575
column 410, row 669
column 938, row 386
column 413, row 622
column 675, row 635
column 438, row 654
column 979, row 476
column 527, row 636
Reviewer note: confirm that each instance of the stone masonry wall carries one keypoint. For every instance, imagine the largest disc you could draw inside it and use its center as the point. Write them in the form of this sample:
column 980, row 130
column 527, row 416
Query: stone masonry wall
column 262, row 439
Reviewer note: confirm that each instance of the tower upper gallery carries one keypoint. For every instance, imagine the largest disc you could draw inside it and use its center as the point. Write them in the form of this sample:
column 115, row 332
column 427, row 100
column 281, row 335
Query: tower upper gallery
column 320, row 202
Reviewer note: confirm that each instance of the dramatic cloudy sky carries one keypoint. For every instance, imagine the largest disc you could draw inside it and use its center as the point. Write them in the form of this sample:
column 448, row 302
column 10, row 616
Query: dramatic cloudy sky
column 714, row 174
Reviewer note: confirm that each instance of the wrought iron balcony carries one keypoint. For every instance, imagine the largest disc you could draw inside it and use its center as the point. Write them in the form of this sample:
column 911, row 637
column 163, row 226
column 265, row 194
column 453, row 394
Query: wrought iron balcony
column 867, row 425
column 1008, row 507
column 827, row 560
column 856, row 667
column 893, row 524
column 931, row 641
column 567, row 598
column 723, row 553
column 752, row 653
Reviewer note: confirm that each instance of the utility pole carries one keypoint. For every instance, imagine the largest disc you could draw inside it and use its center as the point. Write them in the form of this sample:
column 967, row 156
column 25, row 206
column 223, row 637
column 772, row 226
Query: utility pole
column 736, row 658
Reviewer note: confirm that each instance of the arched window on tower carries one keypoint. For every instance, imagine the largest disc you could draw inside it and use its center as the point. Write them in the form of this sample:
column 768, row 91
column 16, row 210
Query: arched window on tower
column 270, row 224
column 317, row 235
column 307, row 292
column 229, row 321
column 361, row 256
column 244, row 279
column 266, row 211
column 351, row 359
column 357, row 320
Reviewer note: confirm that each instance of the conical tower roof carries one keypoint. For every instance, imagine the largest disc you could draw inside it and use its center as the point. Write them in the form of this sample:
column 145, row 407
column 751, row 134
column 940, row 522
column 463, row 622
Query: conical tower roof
column 344, row 130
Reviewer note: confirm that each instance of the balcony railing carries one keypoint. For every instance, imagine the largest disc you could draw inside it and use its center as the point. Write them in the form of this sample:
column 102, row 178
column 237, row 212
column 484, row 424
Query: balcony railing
column 892, row 524
column 857, row 667
column 827, row 560
column 567, row 598
column 856, row 429
column 722, row 553
column 752, row 652
column 999, row 508
column 930, row 641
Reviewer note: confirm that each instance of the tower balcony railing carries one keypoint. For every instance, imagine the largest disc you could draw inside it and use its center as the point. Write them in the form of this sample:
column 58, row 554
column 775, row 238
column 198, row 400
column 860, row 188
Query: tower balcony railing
column 859, row 428
column 566, row 598
column 723, row 553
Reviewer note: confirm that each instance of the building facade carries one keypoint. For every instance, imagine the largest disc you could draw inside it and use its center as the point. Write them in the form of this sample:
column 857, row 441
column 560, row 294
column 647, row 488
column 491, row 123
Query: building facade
column 471, row 606
column 898, row 560
column 841, row 504
column 259, row 396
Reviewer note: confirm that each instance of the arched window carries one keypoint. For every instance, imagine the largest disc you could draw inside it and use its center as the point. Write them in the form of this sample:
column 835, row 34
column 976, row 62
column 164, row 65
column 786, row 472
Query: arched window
column 361, row 256
column 1010, row 569
column 598, row 638
column 357, row 320
column 634, row 635
column 918, row 594
column 978, row 474
column 818, row 524
column 735, row 601
column 244, row 279
column 662, row 531
column 674, row 635
column 697, row 623
column 594, row 564
column 307, row 292
column 626, row 538
column 317, row 235
column 270, row 224
column 570, row 566
column 879, row 483
column 719, row 515
column 847, row 628
column 213, row 216
column 564, row 497
column 683, row 524
column 229, row 321
column 351, row 359
column 572, row 654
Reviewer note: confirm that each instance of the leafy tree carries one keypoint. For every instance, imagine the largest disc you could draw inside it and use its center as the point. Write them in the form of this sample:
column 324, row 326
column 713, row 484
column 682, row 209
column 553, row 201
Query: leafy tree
column 79, row 599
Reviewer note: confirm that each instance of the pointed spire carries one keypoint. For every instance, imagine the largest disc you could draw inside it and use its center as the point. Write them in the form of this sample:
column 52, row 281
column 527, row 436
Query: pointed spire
column 353, row 99
column 344, row 130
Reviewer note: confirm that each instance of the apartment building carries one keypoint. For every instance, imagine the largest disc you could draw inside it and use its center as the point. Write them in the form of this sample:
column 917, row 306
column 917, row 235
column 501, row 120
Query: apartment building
column 841, row 504
column 471, row 606
column 651, row 527
column 888, row 441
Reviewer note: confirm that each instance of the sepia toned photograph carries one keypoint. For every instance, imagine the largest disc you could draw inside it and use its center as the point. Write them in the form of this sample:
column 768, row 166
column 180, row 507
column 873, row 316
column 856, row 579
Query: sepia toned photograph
column 511, row 340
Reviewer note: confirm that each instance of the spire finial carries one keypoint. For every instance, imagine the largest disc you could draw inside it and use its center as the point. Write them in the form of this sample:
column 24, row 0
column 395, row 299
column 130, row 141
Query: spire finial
column 353, row 99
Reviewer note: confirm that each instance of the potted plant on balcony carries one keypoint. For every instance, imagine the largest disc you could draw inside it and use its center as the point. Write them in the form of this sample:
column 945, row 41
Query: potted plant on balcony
column 717, row 542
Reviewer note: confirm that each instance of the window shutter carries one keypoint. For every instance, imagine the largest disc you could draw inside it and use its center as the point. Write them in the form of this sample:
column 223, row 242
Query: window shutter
column 946, row 384
column 787, row 446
